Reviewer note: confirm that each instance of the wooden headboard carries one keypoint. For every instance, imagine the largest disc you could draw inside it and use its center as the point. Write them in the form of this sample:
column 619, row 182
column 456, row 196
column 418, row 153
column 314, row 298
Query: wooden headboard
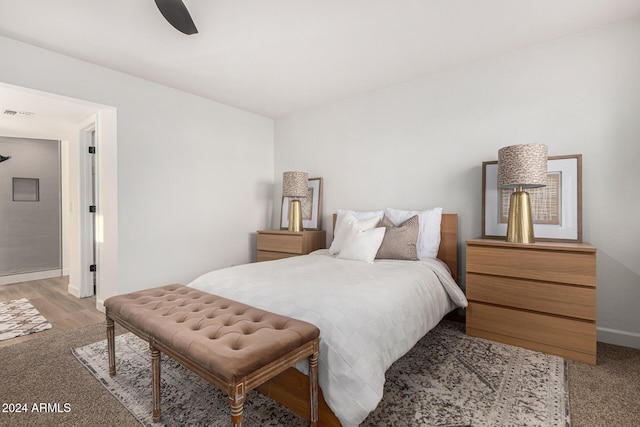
column 448, row 251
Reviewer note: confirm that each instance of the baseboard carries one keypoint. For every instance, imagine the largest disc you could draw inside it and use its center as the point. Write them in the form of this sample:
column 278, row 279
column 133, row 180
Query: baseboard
column 73, row 290
column 26, row 277
column 618, row 337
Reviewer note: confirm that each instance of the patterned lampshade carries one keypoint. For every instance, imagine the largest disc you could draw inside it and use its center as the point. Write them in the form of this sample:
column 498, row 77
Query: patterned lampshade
column 294, row 184
column 524, row 164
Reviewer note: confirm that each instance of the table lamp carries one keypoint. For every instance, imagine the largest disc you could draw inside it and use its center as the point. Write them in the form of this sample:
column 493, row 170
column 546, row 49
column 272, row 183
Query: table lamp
column 295, row 186
column 520, row 167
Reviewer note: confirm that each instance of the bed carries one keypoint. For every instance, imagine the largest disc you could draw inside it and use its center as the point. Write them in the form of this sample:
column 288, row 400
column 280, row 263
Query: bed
column 369, row 313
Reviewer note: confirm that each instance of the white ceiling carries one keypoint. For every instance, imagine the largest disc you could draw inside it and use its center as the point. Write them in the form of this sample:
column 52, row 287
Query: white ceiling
column 275, row 57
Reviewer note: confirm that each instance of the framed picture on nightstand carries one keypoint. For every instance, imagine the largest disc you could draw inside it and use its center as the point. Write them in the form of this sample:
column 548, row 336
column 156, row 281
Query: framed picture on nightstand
column 311, row 207
column 556, row 208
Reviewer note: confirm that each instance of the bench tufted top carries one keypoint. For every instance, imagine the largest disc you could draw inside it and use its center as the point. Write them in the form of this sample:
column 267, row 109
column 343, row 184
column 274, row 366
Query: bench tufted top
column 224, row 336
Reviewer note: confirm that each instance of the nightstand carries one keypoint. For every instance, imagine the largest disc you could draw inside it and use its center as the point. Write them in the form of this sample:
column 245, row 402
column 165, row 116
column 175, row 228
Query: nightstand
column 540, row 296
column 276, row 244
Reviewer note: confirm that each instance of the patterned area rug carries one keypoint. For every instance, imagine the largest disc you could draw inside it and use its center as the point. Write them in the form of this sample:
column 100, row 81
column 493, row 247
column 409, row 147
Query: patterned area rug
column 447, row 379
column 18, row 317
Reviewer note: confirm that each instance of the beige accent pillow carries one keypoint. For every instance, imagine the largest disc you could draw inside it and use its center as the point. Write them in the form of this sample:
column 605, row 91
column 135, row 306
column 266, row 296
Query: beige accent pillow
column 429, row 228
column 399, row 241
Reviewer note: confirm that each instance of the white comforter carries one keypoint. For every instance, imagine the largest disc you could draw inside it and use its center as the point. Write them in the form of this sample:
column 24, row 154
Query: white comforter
column 369, row 315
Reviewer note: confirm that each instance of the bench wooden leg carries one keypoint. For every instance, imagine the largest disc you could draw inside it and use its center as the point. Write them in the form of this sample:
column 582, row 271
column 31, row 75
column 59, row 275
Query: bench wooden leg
column 111, row 346
column 313, row 385
column 155, row 381
column 236, row 400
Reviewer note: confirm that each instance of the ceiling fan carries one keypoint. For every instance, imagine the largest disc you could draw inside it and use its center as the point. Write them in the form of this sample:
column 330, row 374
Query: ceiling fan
column 176, row 13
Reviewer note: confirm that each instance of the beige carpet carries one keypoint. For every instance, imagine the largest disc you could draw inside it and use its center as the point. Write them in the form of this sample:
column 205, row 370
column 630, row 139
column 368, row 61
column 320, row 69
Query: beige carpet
column 608, row 394
column 44, row 370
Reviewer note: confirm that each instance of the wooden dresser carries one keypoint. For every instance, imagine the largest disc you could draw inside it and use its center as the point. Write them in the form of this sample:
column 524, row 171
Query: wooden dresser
column 540, row 296
column 276, row 244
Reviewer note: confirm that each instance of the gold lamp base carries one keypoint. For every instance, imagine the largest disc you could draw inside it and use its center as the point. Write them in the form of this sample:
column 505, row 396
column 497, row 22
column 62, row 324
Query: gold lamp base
column 295, row 215
column 520, row 226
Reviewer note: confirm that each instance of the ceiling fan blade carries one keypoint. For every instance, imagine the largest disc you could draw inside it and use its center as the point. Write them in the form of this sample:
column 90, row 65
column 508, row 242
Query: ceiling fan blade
column 176, row 13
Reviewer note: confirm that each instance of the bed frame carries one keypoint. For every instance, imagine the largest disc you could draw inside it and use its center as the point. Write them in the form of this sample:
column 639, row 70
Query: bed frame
column 291, row 388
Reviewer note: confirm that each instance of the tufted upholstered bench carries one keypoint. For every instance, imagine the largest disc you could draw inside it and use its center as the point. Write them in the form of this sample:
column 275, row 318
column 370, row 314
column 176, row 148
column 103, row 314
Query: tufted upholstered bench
column 232, row 345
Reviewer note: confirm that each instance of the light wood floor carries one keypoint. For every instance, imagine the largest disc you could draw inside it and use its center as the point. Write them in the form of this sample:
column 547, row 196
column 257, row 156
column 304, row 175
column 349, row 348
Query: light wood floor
column 50, row 297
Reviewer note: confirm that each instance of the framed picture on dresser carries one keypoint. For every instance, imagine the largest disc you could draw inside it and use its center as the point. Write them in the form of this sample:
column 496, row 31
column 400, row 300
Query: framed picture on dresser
column 556, row 208
column 311, row 207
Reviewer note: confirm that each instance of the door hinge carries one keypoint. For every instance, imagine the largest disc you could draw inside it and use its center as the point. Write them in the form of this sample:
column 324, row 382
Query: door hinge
column 92, row 208
column 92, row 150
column 92, row 267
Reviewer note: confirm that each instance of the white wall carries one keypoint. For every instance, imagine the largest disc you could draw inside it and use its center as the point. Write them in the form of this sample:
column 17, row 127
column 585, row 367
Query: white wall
column 194, row 177
column 422, row 144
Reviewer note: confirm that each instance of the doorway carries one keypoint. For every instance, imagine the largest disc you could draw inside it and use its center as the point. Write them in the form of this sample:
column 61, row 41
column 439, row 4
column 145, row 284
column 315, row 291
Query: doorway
column 88, row 206
column 30, row 209
column 68, row 119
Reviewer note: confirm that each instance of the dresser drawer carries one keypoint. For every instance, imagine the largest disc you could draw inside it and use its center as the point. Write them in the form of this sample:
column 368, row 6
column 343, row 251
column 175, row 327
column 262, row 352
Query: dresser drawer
column 552, row 334
column 280, row 243
column 560, row 266
column 270, row 256
column 553, row 298
column 276, row 244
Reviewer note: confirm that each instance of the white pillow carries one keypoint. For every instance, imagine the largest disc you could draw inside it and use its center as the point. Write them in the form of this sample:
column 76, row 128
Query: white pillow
column 362, row 245
column 362, row 215
column 350, row 223
column 429, row 233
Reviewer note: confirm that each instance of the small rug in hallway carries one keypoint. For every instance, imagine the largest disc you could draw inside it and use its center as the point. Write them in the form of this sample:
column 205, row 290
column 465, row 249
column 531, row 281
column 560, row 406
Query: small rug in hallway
column 448, row 379
column 18, row 317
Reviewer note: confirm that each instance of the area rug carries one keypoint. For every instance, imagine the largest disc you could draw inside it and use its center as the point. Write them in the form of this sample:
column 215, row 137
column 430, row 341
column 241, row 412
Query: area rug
column 18, row 317
column 447, row 379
